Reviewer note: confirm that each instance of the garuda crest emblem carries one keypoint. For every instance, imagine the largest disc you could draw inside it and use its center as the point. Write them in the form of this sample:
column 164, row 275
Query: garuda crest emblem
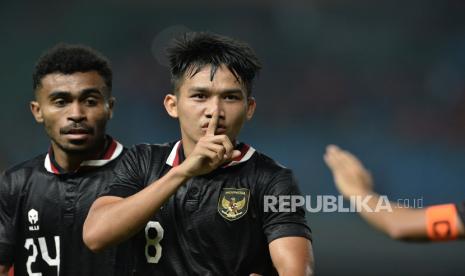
column 233, row 203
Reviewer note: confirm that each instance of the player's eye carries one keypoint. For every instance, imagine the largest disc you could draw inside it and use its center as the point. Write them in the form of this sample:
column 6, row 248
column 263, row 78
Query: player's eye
column 199, row 96
column 232, row 97
column 59, row 102
column 91, row 102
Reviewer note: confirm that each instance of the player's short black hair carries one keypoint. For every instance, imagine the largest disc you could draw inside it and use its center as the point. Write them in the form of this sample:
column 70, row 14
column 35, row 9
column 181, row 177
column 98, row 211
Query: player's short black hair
column 190, row 52
column 68, row 59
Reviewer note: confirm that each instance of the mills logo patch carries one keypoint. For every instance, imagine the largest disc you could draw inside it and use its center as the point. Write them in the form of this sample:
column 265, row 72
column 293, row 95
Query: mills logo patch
column 33, row 217
column 233, row 203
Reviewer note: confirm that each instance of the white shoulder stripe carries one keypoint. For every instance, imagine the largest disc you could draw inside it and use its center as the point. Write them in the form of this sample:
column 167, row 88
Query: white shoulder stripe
column 172, row 155
column 94, row 163
column 101, row 162
column 245, row 158
column 48, row 164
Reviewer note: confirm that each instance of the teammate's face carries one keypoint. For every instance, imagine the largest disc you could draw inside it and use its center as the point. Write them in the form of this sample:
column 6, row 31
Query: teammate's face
column 199, row 96
column 74, row 109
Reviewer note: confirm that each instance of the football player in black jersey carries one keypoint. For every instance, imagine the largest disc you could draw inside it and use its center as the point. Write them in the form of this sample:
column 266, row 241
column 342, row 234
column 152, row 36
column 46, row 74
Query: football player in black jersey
column 44, row 201
column 196, row 206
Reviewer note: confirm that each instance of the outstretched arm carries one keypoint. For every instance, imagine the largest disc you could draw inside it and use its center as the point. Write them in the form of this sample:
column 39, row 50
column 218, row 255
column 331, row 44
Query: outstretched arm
column 352, row 179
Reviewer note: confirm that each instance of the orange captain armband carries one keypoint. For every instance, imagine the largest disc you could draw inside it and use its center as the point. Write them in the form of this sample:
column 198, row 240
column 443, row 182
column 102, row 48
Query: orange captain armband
column 441, row 222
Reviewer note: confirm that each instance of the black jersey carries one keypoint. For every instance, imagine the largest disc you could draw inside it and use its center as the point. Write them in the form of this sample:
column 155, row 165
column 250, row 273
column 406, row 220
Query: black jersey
column 214, row 224
column 42, row 212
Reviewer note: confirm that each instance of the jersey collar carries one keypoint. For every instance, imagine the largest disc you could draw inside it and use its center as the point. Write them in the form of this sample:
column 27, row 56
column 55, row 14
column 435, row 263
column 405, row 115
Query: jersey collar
column 177, row 155
column 114, row 149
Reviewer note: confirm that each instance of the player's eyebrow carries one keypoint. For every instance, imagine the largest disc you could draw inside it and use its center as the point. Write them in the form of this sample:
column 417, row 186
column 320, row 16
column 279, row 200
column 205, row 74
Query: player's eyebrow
column 232, row 91
column 82, row 94
column 206, row 90
column 199, row 89
column 59, row 94
column 90, row 91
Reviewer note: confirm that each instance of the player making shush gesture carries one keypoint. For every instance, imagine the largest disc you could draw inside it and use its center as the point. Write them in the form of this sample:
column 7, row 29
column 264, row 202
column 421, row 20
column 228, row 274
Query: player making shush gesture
column 196, row 206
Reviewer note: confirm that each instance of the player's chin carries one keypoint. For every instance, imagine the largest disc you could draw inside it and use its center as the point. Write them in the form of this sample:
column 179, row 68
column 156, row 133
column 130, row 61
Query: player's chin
column 231, row 135
column 78, row 148
column 79, row 142
column 79, row 145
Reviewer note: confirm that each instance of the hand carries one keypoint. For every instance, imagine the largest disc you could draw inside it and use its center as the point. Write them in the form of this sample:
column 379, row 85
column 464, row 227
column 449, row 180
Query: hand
column 350, row 176
column 210, row 152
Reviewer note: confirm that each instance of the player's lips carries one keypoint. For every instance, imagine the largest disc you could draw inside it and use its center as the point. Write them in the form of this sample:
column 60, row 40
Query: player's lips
column 220, row 129
column 81, row 132
column 78, row 131
column 77, row 134
column 219, row 125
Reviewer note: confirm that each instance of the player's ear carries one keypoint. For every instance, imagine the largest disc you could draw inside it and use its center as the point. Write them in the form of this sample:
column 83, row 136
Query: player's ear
column 171, row 105
column 110, row 104
column 251, row 105
column 36, row 111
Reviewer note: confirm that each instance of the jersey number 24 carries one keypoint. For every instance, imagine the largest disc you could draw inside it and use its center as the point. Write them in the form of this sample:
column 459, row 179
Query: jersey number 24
column 30, row 244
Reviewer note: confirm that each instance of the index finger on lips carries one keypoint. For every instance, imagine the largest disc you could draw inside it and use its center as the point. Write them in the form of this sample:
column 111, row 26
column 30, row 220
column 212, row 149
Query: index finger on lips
column 212, row 124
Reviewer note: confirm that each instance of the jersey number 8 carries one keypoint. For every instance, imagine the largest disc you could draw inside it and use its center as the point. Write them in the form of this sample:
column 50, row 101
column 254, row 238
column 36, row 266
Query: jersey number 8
column 153, row 236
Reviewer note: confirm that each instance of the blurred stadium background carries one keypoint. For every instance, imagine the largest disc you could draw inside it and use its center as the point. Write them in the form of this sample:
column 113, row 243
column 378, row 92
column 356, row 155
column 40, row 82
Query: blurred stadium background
column 384, row 79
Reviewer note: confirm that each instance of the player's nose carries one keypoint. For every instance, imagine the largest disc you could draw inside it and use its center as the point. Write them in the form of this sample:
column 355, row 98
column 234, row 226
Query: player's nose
column 76, row 112
column 215, row 105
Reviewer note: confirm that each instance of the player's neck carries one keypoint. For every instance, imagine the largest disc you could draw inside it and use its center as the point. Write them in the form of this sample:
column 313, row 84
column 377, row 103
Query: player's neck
column 187, row 146
column 71, row 161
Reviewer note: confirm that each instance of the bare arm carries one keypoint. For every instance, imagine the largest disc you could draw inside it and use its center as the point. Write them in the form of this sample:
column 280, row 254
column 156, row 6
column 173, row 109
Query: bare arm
column 113, row 219
column 4, row 270
column 292, row 256
column 352, row 179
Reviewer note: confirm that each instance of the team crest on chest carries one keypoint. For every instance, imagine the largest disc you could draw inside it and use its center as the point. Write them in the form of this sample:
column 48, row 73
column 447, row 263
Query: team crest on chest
column 233, row 203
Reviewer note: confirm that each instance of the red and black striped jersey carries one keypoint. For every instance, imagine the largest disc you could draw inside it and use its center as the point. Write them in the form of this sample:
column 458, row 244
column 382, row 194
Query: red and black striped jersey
column 42, row 211
column 214, row 224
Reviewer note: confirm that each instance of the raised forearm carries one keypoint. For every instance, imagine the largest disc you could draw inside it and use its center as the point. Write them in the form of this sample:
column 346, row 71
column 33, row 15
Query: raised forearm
column 117, row 219
column 398, row 222
column 113, row 219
